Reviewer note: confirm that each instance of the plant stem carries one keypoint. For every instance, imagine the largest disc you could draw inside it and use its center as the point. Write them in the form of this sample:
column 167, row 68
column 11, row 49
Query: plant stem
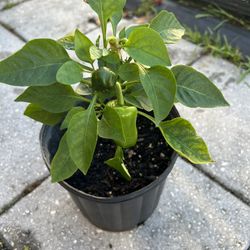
column 86, row 82
column 127, row 84
column 119, row 94
column 147, row 116
column 87, row 68
column 85, row 99
column 104, row 34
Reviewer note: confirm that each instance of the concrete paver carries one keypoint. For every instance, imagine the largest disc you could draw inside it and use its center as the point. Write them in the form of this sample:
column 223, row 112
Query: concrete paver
column 194, row 213
column 52, row 19
column 9, row 43
column 226, row 130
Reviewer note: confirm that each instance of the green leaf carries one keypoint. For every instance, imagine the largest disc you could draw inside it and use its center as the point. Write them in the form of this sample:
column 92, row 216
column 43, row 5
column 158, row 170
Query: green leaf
column 35, row 64
column 119, row 124
column 56, row 98
column 96, row 53
column 70, row 73
column 107, row 9
column 196, row 90
column 115, row 19
column 62, row 166
column 147, row 47
column 136, row 95
column 182, row 137
column 68, row 41
column 166, row 24
column 160, row 86
column 36, row 113
column 111, row 61
column 118, row 164
column 122, row 33
column 82, row 47
column 82, row 137
column 69, row 116
column 134, row 27
column 129, row 72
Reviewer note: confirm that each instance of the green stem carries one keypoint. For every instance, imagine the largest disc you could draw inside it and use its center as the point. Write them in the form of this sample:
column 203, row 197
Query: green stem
column 128, row 84
column 87, row 68
column 119, row 94
column 147, row 116
column 86, row 82
column 85, row 99
column 104, row 35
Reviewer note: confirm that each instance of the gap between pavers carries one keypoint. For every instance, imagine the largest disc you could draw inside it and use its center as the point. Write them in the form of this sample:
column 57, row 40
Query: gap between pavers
column 10, row 3
column 194, row 213
column 52, row 19
column 226, row 130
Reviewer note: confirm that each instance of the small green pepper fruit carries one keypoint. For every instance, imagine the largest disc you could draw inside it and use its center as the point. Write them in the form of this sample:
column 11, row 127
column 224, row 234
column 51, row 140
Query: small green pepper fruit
column 128, row 116
column 103, row 79
column 118, row 123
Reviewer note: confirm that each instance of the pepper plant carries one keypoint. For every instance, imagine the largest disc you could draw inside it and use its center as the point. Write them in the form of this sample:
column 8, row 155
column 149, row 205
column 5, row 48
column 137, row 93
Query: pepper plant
column 119, row 78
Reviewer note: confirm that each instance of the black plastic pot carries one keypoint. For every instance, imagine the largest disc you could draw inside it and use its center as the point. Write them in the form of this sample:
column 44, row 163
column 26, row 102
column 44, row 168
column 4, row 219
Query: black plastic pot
column 116, row 213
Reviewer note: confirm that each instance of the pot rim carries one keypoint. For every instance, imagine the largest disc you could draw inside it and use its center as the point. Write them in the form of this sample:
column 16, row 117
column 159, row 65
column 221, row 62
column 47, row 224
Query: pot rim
column 115, row 199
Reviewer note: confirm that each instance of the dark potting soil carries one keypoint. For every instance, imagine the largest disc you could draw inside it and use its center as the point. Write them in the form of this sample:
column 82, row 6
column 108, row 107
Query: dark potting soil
column 145, row 162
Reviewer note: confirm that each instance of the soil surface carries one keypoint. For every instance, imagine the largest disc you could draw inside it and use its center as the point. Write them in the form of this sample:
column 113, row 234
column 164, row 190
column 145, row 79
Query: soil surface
column 145, row 162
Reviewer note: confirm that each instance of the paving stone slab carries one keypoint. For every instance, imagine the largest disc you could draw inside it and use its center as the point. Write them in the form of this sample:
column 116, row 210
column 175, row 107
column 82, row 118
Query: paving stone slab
column 226, row 130
column 53, row 19
column 184, row 52
column 9, row 43
column 20, row 157
column 20, row 160
column 194, row 213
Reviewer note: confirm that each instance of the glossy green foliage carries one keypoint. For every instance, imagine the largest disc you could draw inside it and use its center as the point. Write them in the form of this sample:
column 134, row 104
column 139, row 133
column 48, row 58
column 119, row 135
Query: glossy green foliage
column 70, row 115
column 56, row 98
column 111, row 61
column 36, row 113
column 62, row 166
column 181, row 136
column 196, row 90
column 166, row 24
column 35, row 64
column 68, row 41
column 82, row 137
column 118, row 78
column 141, row 46
column 108, row 10
column 70, row 73
column 136, row 96
column 82, row 47
column 160, row 86
column 129, row 72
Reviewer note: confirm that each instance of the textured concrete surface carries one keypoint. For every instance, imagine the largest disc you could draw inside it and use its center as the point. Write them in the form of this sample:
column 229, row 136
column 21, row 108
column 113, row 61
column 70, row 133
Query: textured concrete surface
column 226, row 130
column 9, row 43
column 194, row 213
column 184, row 52
column 48, row 18
column 6, row 4
column 20, row 158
